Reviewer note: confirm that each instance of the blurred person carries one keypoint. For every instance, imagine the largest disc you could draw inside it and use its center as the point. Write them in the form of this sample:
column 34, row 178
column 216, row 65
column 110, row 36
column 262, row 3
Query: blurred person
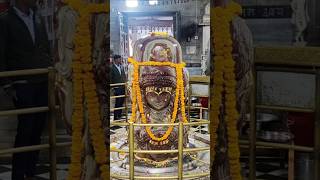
column 118, row 76
column 24, row 45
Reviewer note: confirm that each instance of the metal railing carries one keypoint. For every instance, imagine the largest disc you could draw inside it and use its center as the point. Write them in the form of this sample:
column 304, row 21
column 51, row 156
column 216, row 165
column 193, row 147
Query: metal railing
column 272, row 65
column 52, row 145
column 50, row 109
column 180, row 151
column 131, row 151
column 120, row 96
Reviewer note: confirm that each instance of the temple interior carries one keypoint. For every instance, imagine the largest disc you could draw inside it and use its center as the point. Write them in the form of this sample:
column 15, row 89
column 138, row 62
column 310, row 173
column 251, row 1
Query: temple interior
column 157, row 62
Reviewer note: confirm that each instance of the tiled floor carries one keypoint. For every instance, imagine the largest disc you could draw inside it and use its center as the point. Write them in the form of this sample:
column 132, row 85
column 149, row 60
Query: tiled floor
column 268, row 171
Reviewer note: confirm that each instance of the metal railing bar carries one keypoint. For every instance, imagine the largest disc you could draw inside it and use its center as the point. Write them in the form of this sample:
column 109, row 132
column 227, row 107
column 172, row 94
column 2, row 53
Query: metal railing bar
column 6, row 74
column 120, row 150
column 279, row 145
column 272, row 68
column 195, row 119
column 24, row 149
column 31, row 148
column 119, row 124
column 285, row 108
column 120, row 120
column 24, row 111
column 195, row 107
column 143, row 177
column 156, row 151
column 196, row 149
column 174, row 124
column 155, row 177
column 180, row 151
column 117, row 84
column 162, row 151
column 131, row 151
column 126, row 104
column 164, row 124
column 197, row 123
column 185, row 176
column 119, row 108
column 203, row 162
column 196, row 95
column 52, row 124
column 115, row 97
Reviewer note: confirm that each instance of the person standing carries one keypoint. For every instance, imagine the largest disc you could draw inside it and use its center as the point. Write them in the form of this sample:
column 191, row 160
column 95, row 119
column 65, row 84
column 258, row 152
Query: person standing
column 24, row 45
column 118, row 76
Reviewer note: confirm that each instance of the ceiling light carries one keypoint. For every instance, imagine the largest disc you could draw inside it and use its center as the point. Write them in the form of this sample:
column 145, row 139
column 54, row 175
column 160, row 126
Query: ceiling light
column 153, row 2
column 131, row 3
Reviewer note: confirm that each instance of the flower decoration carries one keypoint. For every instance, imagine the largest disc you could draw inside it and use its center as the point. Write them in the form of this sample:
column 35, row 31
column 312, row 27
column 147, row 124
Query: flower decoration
column 85, row 96
column 137, row 97
column 225, row 83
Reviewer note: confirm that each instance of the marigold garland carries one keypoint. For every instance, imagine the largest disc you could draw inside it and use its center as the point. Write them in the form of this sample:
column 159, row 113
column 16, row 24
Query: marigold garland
column 136, row 92
column 225, row 80
column 84, row 91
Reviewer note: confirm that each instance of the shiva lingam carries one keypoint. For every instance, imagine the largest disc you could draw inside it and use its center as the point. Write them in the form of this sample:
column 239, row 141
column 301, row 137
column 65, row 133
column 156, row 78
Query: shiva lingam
column 158, row 86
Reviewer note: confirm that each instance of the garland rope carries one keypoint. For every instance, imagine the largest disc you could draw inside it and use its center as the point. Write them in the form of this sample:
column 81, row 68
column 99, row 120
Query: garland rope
column 137, row 97
column 85, row 97
column 225, row 83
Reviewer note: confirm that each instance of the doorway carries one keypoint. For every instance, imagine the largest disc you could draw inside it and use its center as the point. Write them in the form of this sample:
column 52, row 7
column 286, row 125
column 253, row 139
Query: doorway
column 137, row 25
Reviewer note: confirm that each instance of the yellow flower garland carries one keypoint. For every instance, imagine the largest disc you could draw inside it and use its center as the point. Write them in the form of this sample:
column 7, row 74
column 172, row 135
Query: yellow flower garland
column 136, row 92
column 224, row 79
column 84, row 90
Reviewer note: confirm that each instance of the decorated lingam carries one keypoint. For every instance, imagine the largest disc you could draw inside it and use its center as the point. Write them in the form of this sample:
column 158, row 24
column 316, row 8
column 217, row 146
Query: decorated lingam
column 157, row 81
column 158, row 87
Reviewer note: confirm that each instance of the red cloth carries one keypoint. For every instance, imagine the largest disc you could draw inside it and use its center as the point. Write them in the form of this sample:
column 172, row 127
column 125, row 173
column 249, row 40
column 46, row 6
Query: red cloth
column 3, row 7
column 204, row 102
column 302, row 126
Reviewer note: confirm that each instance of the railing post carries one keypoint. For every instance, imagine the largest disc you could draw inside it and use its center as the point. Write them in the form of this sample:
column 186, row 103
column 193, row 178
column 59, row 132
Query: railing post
column 317, row 127
column 201, row 111
column 125, row 101
column 52, row 123
column 252, row 145
column 189, row 100
column 131, row 151
column 180, row 151
column 291, row 163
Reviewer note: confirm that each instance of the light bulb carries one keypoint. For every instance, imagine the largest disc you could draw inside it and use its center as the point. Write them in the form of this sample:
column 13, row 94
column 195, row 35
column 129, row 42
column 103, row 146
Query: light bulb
column 132, row 3
column 153, row 2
